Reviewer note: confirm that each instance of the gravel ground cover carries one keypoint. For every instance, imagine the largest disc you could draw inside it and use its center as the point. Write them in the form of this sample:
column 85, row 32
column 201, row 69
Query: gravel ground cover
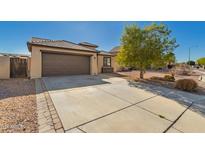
column 18, row 106
column 134, row 75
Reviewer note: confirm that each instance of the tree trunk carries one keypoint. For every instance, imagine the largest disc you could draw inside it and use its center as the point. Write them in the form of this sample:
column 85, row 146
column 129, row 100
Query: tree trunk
column 141, row 74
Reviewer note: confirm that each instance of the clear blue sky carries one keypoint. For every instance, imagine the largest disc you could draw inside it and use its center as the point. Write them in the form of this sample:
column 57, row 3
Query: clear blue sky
column 14, row 35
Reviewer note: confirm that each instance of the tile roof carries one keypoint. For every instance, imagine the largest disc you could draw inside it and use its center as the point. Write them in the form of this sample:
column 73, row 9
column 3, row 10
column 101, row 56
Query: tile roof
column 58, row 44
column 115, row 49
column 101, row 52
column 88, row 44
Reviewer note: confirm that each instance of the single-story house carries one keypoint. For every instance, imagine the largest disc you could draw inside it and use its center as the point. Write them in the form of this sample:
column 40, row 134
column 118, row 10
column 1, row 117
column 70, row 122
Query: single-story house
column 61, row 57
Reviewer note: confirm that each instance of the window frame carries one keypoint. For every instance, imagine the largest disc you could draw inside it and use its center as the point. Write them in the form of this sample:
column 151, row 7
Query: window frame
column 105, row 62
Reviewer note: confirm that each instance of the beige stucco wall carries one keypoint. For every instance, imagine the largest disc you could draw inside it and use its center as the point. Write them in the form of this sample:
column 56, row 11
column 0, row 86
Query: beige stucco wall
column 28, row 66
column 35, row 68
column 4, row 67
column 115, row 65
column 100, row 63
column 36, row 59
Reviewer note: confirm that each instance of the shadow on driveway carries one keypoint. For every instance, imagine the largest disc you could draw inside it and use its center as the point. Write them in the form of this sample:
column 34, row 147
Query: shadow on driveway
column 184, row 98
column 69, row 82
column 76, row 81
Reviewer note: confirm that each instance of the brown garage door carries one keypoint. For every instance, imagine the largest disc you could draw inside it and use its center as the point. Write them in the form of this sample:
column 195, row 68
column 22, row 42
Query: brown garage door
column 64, row 64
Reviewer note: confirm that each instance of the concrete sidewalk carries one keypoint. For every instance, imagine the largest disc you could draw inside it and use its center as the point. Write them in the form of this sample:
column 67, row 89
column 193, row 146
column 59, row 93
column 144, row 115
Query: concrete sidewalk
column 182, row 97
column 110, row 104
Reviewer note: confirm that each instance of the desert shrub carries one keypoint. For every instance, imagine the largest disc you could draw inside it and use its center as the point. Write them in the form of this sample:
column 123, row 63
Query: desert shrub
column 169, row 78
column 156, row 78
column 165, row 78
column 186, row 84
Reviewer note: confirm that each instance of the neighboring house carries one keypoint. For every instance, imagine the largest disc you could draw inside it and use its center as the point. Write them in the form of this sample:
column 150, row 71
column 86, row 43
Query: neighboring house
column 61, row 57
column 115, row 50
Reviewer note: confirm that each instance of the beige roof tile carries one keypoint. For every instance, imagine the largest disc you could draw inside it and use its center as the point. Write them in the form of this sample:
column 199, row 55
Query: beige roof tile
column 115, row 49
column 58, row 43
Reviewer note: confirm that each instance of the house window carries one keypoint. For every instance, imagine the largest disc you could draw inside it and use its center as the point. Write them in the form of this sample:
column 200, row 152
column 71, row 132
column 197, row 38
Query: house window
column 107, row 61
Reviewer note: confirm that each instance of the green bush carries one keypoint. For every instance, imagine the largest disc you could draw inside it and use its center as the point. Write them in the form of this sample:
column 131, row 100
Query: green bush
column 186, row 84
column 169, row 78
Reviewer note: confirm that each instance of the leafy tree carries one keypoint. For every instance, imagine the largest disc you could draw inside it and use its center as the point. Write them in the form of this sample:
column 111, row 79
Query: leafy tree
column 191, row 62
column 166, row 60
column 201, row 61
column 169, row 58
column 143, row 47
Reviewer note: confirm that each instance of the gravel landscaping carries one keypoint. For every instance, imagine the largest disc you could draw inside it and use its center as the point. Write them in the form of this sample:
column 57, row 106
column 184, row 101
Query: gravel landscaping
column 134, row 75
column 18, row 106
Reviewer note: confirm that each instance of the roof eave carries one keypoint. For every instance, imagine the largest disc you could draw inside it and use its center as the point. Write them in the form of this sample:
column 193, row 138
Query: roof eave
column 105, row 54
column 89, row 45
column 29, row 44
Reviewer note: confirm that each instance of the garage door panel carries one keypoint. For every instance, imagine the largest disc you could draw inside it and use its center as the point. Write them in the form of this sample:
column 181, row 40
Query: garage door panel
column 64, row 64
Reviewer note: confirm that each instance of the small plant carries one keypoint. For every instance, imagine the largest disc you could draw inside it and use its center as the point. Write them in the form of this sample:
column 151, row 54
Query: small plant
column 169, row 78
column 186, row 84
column 156, row 78
column 165, row 78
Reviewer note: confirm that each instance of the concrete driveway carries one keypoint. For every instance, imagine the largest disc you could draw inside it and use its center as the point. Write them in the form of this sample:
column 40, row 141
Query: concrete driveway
column 110, row 104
